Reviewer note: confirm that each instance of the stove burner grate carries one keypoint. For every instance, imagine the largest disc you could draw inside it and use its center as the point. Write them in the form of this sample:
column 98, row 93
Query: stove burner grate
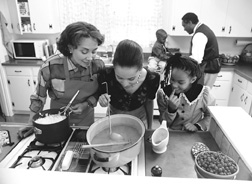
column 39, row 156
column 124, row 170
column 36, row 161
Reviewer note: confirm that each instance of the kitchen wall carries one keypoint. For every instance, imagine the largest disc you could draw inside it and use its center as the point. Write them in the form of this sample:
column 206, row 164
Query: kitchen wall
column 227, row 45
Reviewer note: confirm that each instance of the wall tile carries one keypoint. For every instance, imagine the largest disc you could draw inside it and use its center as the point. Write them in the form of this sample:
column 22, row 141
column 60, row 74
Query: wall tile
column 233, row 154
column 212, row 127
column 244, row 173
column 218, row 136
column 225, row 144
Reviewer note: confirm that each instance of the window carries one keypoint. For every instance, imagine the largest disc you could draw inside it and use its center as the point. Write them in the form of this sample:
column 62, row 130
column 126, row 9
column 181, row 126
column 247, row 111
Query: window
column 116, row 19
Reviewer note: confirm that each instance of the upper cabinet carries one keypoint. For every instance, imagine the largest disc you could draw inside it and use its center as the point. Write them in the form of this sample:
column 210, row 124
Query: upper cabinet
column 238, row 19
column 34, row 16
column 174, row 10
column 227, row 18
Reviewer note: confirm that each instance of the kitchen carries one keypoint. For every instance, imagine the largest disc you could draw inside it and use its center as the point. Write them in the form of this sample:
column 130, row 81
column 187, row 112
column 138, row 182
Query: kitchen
column 227, row 45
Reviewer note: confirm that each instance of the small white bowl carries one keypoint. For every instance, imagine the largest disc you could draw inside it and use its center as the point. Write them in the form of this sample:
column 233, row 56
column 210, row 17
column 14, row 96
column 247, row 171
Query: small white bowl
column 160, row 139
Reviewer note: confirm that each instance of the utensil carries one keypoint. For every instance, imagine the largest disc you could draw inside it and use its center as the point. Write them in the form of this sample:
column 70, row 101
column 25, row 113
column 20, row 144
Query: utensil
column 113, row 135
column 105, row 144
column 69, row 104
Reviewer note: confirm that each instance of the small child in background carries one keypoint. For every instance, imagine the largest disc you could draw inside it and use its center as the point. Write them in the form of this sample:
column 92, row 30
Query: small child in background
column 183, row 103
column 159, row 55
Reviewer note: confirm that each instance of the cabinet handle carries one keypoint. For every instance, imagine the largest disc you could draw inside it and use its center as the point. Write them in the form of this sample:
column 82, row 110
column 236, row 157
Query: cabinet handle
column 230, row 29
column 245, row 101
column 28, row 82
column 217, row 85
column 34, row 82
column 18, row 27
column 223, row 29
column 34, row 28
column 50, row 26
column 18, row 71
column 8, row 81
column 239, row 81
column 173, row 28
column 242, row 97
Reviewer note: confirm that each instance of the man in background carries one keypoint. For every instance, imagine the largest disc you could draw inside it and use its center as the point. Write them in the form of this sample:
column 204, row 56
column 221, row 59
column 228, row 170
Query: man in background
column 204, row 48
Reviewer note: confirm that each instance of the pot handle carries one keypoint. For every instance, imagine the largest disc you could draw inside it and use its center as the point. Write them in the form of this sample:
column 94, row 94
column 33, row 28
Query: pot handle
column 106, row 159
column 37, row 130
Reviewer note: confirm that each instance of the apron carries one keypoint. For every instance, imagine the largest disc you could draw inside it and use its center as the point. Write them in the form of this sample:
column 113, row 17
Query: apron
column 86, row 90
column 139, row 113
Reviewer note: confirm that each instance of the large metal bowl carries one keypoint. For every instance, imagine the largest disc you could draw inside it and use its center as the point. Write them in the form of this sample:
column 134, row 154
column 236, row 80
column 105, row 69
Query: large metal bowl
column 124, row 155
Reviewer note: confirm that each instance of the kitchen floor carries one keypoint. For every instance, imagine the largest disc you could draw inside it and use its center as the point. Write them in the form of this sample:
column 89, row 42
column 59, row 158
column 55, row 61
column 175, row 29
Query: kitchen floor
column 23, row 118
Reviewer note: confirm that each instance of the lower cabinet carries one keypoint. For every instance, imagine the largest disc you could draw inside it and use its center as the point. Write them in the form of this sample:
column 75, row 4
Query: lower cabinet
column 241, row 93
column 20, row 89
column 22, row 81
column 221, row 88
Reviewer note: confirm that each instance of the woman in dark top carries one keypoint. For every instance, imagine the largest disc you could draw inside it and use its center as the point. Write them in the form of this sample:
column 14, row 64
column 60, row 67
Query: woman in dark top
column 131, row 88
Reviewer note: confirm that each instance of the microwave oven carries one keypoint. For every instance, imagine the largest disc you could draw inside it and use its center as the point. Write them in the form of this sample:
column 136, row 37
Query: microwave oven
column 29, row 49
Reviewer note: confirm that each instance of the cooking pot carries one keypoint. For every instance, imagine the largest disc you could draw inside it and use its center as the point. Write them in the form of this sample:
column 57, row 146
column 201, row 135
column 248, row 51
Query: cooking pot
column 124, row 155
column 54, row 132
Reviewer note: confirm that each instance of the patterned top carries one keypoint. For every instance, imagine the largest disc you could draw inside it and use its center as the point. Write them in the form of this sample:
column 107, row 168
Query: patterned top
column 122, row 100
column 51, row 79
column 192, row 109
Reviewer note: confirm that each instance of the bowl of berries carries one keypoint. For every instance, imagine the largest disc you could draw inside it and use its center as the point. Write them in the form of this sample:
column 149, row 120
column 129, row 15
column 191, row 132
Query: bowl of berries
column 211, row 164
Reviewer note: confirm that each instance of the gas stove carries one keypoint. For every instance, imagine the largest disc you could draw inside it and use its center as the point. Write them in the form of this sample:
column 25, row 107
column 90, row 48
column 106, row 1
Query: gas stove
column 31, row 154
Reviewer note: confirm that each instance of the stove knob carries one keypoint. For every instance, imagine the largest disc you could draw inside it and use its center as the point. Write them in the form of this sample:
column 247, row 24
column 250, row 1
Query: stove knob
column 156, row 171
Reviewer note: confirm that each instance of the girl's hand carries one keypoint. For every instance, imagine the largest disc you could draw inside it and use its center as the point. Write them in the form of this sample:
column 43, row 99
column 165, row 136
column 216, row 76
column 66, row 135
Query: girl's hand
column 104, row 100
column 79, row 108
column 190, row 127
column 174, row 102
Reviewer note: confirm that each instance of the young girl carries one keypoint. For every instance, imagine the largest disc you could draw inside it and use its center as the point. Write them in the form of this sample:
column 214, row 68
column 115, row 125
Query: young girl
column 183, row 103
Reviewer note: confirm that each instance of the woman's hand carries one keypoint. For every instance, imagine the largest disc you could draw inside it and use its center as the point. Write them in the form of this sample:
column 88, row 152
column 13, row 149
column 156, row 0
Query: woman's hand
column 104, row 100
column 79, row 108
column 173, row 102
column 190, row 127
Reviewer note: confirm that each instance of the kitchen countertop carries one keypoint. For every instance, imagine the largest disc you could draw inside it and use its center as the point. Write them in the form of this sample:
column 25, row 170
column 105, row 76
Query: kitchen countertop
column 243, row 69
column 178, row 155
column 236, row 124
column 14, row 138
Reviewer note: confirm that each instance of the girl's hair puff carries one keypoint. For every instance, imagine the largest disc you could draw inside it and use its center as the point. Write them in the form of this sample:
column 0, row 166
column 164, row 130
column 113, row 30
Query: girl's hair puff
column 184, row 63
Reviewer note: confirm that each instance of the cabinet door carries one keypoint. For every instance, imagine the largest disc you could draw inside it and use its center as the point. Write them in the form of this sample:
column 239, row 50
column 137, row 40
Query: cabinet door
column 238, row 14
column 100, row 111
column 236, row 96
column 14, row 15
column 247, row 101
column 21, row 88
column 44, row 16
column 211, row 11
column 178, row 8
column 221, row 90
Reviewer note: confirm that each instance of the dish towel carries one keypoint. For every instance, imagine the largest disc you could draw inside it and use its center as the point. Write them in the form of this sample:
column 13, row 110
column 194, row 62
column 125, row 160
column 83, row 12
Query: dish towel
column 6, row 35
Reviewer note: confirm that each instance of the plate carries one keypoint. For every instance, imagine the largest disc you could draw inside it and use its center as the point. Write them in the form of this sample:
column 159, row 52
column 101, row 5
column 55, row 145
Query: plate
column 198, row 147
